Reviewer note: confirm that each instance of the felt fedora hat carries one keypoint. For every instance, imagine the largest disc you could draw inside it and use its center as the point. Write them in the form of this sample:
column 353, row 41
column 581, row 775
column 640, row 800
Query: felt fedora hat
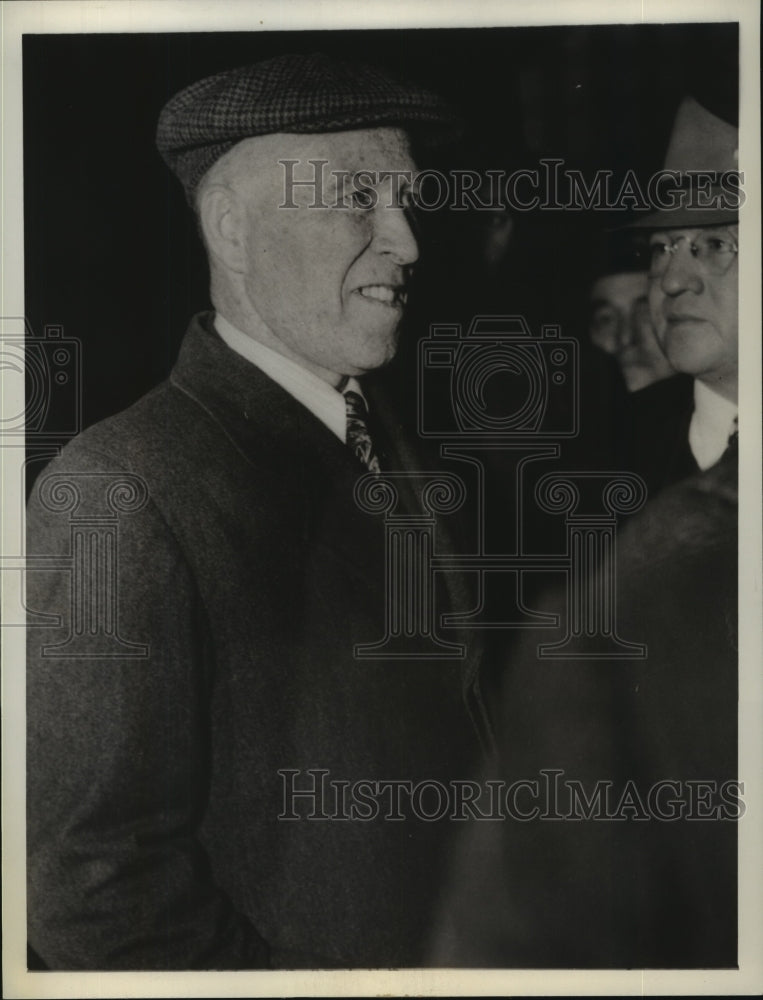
column 701, row 185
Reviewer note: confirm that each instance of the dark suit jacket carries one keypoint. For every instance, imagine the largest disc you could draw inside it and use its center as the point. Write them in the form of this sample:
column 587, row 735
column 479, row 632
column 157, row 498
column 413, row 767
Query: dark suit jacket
column 660, row 418
column 154, row 793
column 655, row 885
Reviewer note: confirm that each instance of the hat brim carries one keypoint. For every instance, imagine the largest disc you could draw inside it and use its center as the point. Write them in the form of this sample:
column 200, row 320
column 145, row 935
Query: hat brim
column 684, row 218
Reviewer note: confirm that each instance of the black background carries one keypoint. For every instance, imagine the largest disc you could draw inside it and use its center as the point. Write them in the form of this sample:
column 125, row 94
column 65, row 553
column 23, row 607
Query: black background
column 111, row 252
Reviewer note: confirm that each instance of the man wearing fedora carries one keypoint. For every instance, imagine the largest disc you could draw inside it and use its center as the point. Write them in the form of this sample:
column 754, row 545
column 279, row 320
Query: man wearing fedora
column 684, row 425
column 227, row 788
column 629, row 857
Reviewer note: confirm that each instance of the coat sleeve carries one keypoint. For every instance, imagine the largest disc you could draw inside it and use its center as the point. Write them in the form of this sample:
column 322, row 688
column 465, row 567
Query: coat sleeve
column 118, row 752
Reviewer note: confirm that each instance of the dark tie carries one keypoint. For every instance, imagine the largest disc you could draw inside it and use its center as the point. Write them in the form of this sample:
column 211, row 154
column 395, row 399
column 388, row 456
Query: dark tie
column 358, row 437
column 733, row 442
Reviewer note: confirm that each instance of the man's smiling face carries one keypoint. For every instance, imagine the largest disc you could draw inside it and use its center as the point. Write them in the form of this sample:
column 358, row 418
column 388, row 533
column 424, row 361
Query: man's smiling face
column 329, row 282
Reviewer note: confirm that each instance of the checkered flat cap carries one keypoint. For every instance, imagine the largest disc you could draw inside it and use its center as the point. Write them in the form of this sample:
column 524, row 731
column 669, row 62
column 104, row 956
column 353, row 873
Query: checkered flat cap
column 289, row 93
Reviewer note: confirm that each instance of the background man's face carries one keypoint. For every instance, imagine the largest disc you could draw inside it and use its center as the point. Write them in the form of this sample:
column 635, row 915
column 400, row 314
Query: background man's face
column 696, row 314
column 613, row 299
column 621, row 326
column 330, row 283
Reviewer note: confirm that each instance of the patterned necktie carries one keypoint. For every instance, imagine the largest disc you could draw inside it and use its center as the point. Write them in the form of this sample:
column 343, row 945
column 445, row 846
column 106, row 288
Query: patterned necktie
column 358, row 437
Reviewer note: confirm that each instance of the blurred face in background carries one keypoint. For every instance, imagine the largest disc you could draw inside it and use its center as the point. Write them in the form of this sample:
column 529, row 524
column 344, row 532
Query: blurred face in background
column 496, row 228
column 621, row 326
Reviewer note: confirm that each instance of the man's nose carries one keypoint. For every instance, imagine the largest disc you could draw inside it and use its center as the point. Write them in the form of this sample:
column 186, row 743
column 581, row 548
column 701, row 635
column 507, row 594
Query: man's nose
column 394, row 235
column 624, row 331
column 682, row 273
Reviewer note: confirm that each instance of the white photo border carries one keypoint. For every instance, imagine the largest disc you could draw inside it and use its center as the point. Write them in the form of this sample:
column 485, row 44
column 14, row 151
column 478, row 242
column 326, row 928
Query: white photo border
column 86, row 16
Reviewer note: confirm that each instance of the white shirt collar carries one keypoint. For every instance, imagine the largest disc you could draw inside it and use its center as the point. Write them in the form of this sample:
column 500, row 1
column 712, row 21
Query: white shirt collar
column 712, row 423
column 322, row 399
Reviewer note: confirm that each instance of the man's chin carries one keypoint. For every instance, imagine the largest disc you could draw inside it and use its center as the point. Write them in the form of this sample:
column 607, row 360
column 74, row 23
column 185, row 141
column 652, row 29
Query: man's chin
column 685, row 350
column 376, row 365
column 640, row 376
column 383, row 352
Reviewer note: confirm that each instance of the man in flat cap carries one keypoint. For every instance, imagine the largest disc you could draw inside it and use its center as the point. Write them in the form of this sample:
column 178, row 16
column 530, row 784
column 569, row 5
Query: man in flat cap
column 215, row 780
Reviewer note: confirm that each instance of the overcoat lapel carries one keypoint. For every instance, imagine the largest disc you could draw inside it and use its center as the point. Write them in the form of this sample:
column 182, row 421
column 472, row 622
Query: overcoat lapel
column 403, row 453
column 276, row 434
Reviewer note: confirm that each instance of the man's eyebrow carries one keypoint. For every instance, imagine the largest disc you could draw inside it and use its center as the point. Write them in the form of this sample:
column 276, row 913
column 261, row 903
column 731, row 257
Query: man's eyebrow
column 344, row 177
column 407, row 174
column 370, row 177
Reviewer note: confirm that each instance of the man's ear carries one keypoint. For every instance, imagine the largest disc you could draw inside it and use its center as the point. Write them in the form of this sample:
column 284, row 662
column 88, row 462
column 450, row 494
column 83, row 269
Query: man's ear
column 221, row 217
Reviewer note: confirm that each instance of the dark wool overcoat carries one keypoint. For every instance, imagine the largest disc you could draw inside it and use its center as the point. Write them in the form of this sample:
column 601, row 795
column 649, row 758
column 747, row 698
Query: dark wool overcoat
column 626, row 856
column 159, row 784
